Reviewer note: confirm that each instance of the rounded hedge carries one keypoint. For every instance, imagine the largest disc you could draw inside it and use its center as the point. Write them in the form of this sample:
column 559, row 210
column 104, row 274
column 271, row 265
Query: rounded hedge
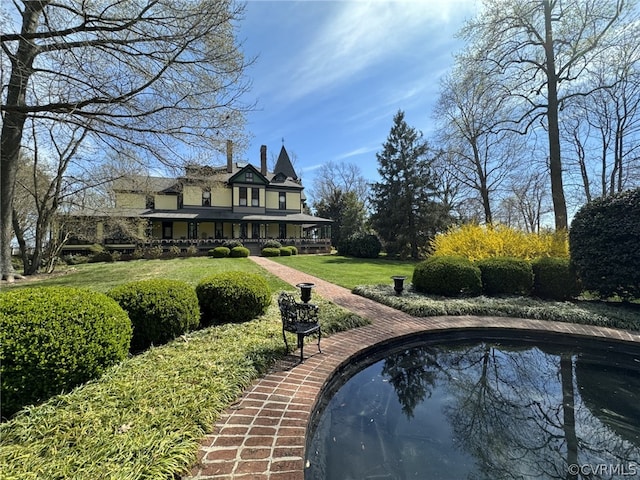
column 449, row 276
column 603, row 243
column 232, row 297
column 293, row 249
column 160, row 310
column 554, row 278
column 270, row 252
column 505, row 275
column 53, row 339
column 239, row 252
column 219, row 252
column 285, row 252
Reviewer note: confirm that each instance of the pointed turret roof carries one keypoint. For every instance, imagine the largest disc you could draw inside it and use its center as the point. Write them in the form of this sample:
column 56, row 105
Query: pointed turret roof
column 284, row 165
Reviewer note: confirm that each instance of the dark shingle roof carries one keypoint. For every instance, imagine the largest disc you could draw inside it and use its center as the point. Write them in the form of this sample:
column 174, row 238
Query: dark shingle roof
column 284, row 165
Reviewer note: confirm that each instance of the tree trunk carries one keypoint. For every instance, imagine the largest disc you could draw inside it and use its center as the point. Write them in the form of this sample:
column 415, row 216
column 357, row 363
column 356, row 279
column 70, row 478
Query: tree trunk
column 568, row 410
column 555, row 162
column 12, row 127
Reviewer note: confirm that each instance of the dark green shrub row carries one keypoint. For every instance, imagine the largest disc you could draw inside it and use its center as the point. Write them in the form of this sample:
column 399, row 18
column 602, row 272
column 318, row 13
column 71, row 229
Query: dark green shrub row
column 449, row 276
column 239, row 252
column 55, row 338
column 361, row 245
column 505, row 275
column 603, row 241
column 285, row 252
column 160, row 310
column 554, row 278
column 219, row 252
column 453, row 276
column 232, row 297
column 270, row 252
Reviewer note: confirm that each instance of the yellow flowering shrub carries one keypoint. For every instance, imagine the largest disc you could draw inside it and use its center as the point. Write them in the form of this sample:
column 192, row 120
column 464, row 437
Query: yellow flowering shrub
column 476, row 242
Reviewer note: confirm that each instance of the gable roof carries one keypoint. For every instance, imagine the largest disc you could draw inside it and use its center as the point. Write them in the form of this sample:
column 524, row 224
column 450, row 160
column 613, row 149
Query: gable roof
column 284, row 165
column 239, row 175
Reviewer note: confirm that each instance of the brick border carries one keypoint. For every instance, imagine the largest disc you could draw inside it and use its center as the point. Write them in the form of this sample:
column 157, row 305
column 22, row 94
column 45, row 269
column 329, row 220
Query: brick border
column 263, row 435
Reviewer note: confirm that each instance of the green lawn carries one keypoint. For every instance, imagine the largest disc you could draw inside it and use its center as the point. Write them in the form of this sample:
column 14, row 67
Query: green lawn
column 347, row 271
column 104, row 276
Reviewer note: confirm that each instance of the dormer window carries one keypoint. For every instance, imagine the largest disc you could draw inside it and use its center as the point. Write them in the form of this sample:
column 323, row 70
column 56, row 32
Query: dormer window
column 206, row 198
column 248, row 177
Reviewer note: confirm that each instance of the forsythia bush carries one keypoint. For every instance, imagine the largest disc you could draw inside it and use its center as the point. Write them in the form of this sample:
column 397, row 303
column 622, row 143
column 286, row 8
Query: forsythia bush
column 476, row 242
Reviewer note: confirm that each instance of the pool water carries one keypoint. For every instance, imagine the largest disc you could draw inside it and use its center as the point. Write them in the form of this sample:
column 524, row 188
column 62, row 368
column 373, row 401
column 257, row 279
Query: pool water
column 501, row 409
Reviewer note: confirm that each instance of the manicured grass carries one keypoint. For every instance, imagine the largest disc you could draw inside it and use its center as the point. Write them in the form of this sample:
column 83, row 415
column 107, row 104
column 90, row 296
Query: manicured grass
column 347, row 271
column 104, row 276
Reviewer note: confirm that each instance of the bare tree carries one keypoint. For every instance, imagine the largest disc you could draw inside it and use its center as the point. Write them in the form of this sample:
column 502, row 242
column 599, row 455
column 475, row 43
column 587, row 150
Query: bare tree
column 343, row 176
column 158, row 76
column 481, row 157
column 542, row 51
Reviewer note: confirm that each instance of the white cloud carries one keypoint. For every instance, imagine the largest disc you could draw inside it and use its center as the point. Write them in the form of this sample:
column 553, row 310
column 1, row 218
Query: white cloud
column 361, row 34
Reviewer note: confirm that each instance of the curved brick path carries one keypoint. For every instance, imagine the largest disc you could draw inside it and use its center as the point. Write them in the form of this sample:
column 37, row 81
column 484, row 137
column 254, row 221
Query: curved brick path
column 262, row 436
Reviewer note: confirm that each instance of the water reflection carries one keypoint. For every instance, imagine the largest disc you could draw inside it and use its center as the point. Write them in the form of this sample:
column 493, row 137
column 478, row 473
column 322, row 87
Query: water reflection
column 485, row 411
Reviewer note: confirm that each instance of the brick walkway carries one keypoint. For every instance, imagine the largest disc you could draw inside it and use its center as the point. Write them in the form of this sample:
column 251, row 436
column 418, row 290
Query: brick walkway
column 263, row 435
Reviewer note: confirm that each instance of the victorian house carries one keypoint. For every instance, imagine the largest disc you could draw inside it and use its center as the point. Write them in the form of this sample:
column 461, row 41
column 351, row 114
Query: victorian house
column 205, row 207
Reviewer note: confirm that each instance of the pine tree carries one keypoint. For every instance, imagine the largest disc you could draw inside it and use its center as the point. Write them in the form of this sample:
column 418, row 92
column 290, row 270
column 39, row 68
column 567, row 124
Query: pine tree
column 405, row 213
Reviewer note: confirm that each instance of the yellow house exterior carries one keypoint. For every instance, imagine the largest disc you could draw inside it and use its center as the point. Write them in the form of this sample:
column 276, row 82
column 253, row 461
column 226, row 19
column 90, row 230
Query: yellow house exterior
column 210, row 205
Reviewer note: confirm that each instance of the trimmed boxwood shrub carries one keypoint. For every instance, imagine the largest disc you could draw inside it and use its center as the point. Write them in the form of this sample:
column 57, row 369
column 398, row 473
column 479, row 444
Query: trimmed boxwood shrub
column 232, row 297
column 293, row 249
column 505, row 275
column 219, row 252
column 53, row 339
column 603, row 243
column 554, row 278
column 270, row 252
column 160, row 310
column 239, row 252
column 449, row 276
column 285, row 252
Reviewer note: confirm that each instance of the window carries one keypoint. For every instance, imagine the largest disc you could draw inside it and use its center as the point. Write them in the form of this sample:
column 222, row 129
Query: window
column 282, row 201
column 255, row 197
column 282, row 230
column 248, row 177
column 193, row 230
column 206, row 198
column 243, row 196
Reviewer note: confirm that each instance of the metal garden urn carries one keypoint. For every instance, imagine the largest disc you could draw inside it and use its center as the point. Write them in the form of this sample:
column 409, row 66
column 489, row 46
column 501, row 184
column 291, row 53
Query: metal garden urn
column 398, row 283
column 305, row 291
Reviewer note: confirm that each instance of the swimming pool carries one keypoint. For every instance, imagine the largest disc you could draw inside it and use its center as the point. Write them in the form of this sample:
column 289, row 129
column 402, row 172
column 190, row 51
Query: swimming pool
column 480, row 404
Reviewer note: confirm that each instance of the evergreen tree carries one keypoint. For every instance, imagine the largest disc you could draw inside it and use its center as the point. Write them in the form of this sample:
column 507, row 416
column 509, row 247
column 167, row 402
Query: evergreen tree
column 405, row 213
column 345, row 210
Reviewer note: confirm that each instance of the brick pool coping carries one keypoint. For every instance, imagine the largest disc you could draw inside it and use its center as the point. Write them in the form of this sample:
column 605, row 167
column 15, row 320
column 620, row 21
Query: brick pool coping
column 263, row 435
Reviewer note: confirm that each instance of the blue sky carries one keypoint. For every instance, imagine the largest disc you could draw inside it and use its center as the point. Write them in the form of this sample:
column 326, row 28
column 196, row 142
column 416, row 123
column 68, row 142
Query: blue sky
column 330, row 75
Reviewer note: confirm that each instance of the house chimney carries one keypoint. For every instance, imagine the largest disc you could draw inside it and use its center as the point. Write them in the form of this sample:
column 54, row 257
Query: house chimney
column 229, row 156
column 263, row 159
